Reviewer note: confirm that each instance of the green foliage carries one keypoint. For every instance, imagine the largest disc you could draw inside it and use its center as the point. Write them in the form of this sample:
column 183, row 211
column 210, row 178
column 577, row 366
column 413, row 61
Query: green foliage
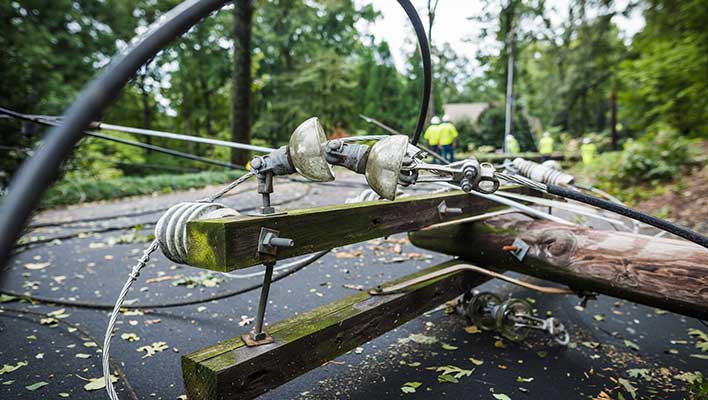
column 666, row 80
column 79, row 190
column 656, row 157
column 490, row 130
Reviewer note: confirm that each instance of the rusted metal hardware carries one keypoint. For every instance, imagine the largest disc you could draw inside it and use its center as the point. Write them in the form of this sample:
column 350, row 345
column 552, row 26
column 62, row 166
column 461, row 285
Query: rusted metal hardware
column 512, row 318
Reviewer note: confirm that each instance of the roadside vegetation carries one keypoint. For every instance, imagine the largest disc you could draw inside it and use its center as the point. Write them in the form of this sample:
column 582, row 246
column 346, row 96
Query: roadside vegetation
column 79, row 190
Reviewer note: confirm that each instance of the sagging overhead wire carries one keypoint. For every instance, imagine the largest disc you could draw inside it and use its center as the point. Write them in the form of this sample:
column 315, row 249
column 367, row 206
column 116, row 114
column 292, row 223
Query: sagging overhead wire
column 50, row 121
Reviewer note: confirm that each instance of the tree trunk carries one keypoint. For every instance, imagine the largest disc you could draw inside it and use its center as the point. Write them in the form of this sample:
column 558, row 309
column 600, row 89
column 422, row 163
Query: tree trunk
column 665, row 273
column 613, row 117
column 242, row 80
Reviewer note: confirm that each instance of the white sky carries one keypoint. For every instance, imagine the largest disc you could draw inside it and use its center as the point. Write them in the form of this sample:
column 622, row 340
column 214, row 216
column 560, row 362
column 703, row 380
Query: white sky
column 452, row 26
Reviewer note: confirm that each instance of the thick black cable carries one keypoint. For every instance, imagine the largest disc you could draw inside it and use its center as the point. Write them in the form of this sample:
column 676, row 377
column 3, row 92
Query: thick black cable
column 667, row 226
column 427, row 66
column 37, row 173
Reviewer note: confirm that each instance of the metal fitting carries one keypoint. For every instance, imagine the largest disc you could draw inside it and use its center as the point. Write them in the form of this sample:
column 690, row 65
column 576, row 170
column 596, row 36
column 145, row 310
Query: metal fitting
column 487, row 182
column 352, row 156
column 269, row 241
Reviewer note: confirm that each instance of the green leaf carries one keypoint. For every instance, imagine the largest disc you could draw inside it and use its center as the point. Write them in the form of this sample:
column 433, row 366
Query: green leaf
column 631, row 345
column 98, row 383
column 476, row 361
column 501, row 396
column 640, row 373
column 627, row 385
column 446, row 346
column 6, row 298
column 36, row 386
column 521, row 379
column 447, row 379
column 7, row 368
column 690, row 377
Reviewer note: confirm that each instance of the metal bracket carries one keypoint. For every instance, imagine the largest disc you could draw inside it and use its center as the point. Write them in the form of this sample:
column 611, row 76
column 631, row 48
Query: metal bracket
column 521, row 249
column 257, row 339
column 269, row 240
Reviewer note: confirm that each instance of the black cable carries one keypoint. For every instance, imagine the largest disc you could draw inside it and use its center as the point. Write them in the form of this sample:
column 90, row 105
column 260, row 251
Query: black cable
column 427, row 66
column 677, row 230
column 157, row 149
column 220, row 296
column 37, row 173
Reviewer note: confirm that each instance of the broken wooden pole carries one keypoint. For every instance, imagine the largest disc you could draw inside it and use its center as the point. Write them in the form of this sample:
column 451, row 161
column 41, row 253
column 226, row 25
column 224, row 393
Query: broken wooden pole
column 665, row 273
column 230, row 370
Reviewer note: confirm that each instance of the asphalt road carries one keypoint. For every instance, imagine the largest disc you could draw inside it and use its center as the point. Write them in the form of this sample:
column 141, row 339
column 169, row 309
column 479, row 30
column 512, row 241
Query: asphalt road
column 89, row 261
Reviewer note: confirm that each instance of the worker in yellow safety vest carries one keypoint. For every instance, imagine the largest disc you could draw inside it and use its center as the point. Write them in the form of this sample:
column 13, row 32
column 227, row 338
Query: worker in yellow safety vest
column 545, row 146
column 432, row 134
column 512, row 145
column 448, row 138
column 588, row 151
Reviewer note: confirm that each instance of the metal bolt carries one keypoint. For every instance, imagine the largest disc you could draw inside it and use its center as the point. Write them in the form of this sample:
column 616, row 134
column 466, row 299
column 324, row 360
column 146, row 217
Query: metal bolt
column 256, row 163
column 281, row 242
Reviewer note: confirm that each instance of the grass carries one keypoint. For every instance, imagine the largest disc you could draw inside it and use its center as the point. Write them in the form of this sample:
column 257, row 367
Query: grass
column 75, row 191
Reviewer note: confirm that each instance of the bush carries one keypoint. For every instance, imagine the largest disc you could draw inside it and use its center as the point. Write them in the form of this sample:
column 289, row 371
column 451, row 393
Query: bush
column 79, row 190
column 656, row 157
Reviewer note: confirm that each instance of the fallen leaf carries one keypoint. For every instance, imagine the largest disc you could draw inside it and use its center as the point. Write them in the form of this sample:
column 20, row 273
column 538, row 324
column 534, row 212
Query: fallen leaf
column 36, row 386
column 245, row 320
column 521, row 379
column 410, row 387
column 344, row 254
column 591, row 345
column 476, row 361
column 90, row 344
column 82, row 355
column 6, row 298
column 643, row 373
column 446, row 346
column 353, row 286
column 627, row 385
column 7, row 368
column 699, row 356
column 418, row 338
column 129, row 337
column 153, row 348
column 631, row 345
column 501, row 396
column 472, row 329
column 98, row 383
column 36, row 266
column 599, row 317
column 500, row 344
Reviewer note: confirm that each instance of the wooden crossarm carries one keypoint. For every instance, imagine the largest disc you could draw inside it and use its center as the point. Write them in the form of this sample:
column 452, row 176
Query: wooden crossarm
column 228, row 244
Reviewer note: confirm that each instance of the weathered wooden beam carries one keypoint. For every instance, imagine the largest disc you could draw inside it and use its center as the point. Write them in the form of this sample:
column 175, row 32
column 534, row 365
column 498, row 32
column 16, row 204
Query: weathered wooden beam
column 660, row 272
column 229, row 370
column 232, row 243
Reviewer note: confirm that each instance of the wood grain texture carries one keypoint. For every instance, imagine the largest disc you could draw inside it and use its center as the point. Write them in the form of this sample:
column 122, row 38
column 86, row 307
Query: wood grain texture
column 232, row 243
column 229, row 370
column 660, row 272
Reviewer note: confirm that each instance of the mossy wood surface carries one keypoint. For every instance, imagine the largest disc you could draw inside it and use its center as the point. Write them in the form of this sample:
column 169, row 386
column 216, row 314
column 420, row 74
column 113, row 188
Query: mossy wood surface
column 230, row 370
column 228, row 244
column 660, row 272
